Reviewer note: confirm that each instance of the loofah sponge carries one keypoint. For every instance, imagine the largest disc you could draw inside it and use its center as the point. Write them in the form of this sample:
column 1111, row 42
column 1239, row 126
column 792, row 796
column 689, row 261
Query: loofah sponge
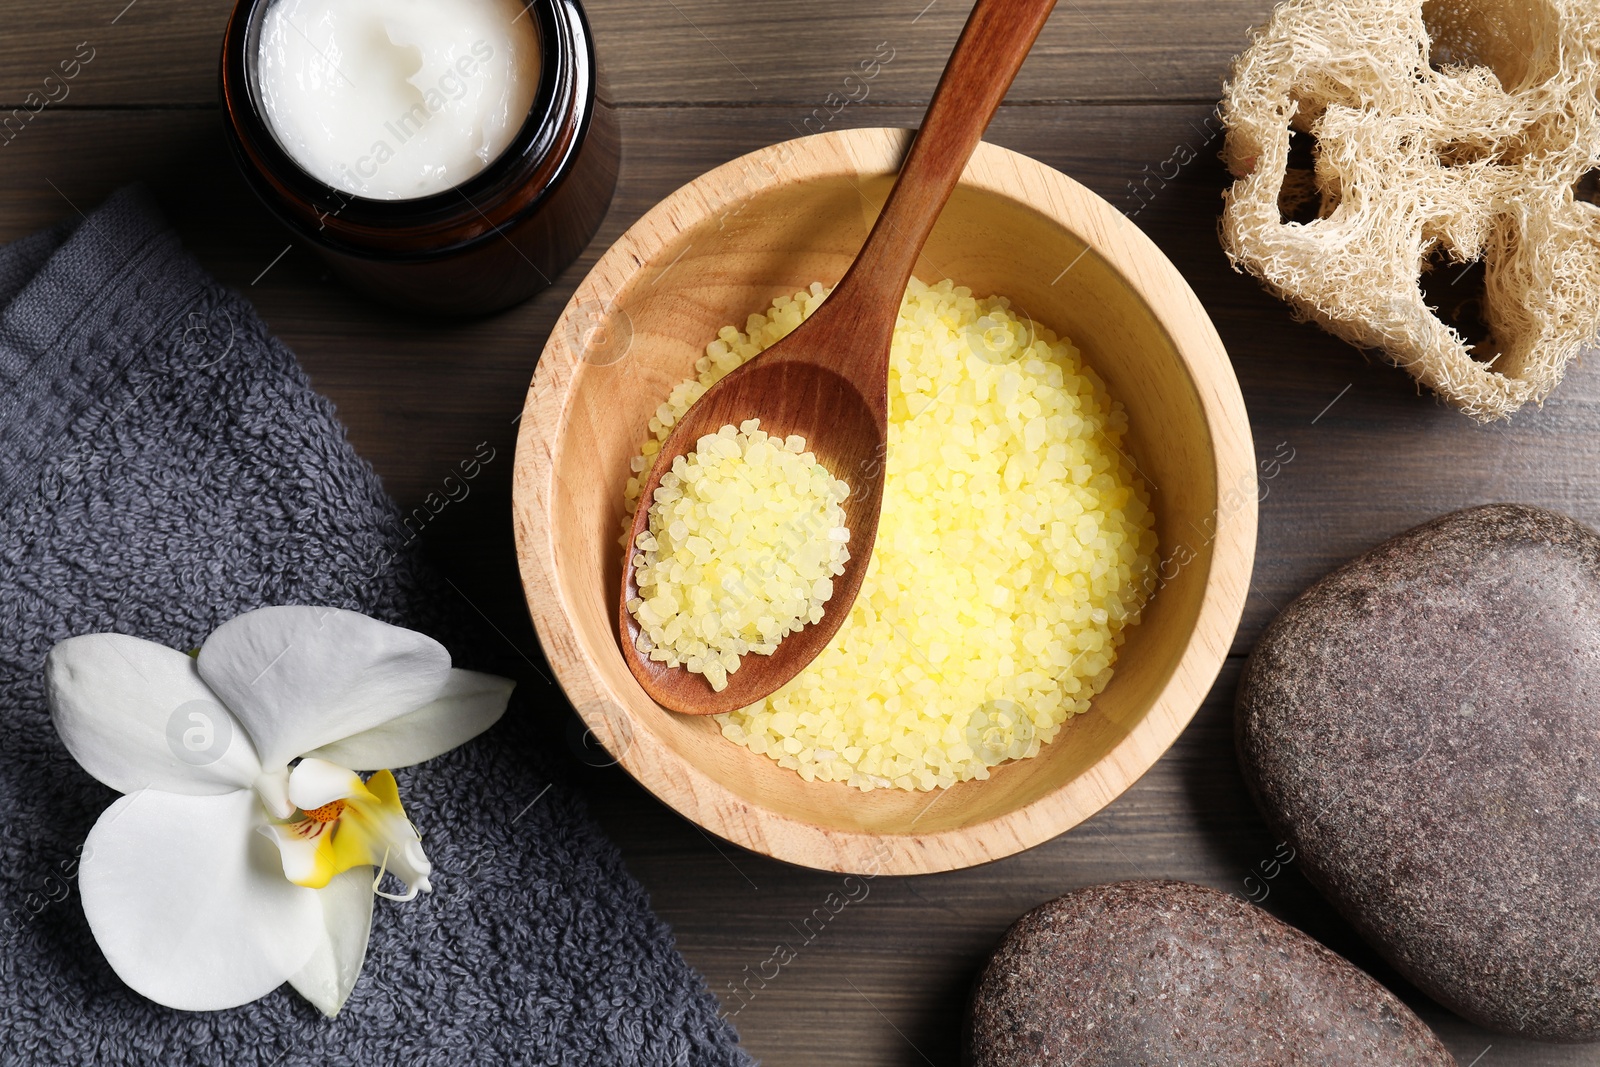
column 1446, row 132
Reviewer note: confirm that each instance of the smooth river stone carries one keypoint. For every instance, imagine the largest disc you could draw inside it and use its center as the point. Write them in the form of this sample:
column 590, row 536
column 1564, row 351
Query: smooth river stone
column 1161, row 974
column 1423, row 727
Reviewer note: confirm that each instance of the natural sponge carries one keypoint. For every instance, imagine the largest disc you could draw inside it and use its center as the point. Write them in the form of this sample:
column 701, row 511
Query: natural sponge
column 1446, row 132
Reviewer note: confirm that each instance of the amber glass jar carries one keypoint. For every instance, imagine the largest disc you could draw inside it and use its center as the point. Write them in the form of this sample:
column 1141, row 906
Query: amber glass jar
column 486, row 244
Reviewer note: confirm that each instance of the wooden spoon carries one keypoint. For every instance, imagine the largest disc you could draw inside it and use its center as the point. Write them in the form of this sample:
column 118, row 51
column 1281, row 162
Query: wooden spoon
column 828, row 381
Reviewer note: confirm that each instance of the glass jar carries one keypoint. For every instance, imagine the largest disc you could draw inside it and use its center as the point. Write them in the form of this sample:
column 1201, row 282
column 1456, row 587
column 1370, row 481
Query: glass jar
column 488, row 243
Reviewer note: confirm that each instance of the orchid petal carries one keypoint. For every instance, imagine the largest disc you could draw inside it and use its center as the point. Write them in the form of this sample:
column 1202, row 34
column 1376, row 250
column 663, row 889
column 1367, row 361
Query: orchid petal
column 299, row 678
column 469, row 704
column 137, row 715
column 190, row 905
column 330, row 974
column 315, row 782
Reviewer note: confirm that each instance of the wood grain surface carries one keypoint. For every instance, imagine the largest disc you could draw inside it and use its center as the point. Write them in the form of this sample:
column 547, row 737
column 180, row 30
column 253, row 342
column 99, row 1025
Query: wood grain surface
column 1116, row 94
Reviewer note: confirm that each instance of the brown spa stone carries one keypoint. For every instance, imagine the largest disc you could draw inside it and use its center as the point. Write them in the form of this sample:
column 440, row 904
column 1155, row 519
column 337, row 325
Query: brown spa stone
column 1423, row 727
column 1162, row 974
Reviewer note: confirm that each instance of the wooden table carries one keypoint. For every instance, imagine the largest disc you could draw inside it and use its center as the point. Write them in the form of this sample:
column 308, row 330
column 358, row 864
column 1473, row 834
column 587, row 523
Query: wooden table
column 1115, row 91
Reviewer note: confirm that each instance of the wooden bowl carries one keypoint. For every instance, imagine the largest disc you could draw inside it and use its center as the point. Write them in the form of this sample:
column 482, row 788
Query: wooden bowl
column 770, row 223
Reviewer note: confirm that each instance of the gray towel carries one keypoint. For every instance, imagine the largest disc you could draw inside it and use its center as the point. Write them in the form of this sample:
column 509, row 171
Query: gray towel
column 164, row 466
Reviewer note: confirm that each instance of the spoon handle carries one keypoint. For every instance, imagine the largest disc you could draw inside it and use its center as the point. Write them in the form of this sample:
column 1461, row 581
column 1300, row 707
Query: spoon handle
column 993, row 45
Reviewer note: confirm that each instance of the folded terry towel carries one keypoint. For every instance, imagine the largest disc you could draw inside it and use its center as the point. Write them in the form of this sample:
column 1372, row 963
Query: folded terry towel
column 164, row 466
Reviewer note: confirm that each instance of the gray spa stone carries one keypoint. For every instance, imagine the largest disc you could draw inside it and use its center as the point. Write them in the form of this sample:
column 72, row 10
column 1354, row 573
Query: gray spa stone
column 1167, row 973
column 1423, row 727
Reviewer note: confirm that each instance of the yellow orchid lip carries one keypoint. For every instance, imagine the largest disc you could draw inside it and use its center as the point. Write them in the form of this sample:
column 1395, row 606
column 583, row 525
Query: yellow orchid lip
column 365, row 827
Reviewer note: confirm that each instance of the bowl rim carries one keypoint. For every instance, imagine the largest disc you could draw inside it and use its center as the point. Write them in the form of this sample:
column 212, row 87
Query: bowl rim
column 691, row 791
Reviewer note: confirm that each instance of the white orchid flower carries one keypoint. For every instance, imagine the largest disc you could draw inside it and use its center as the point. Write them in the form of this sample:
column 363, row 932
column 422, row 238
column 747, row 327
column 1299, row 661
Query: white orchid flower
column 246, row 851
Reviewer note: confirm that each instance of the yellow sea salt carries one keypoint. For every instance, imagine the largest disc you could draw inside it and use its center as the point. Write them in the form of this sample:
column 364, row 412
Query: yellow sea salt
column 1015, row 546
column 746, row 534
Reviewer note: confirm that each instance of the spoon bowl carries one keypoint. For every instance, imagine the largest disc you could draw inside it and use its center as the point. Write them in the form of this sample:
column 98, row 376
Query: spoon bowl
column 794, row 395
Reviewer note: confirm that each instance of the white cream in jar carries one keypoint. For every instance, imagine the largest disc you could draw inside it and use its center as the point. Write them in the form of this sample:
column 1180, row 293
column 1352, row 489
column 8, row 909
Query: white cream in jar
column 396, row 99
